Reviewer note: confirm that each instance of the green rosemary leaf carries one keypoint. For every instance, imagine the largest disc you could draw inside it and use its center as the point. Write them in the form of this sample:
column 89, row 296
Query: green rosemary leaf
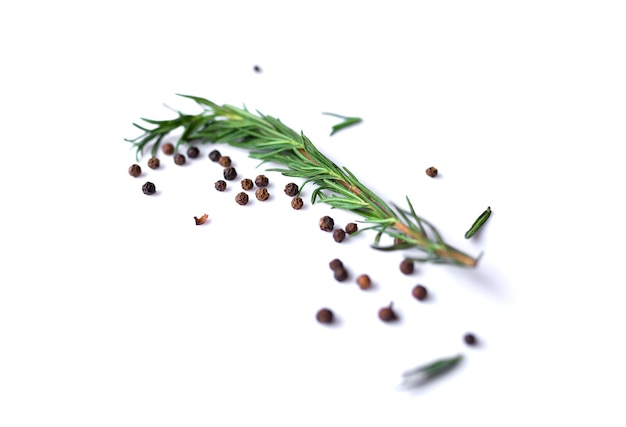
column 478, row 223
column 425, row 373
column 347, row 122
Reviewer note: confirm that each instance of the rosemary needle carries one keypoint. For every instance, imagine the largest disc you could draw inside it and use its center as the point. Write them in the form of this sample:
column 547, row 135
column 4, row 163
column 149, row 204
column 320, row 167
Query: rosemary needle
column 347, row 122
column 269, row 140
column 478, row 223
column 425, row 373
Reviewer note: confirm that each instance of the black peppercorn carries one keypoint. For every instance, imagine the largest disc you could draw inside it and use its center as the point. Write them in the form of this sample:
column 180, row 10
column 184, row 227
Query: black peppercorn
column 261, row 181
column 214, row 155
column 335, row 264
column 419, row 292
column 180, row 159
column 291, row 189
column 148, row 188
column 324, row 315
column 351, row 228
column 154, row 163
column 470, row 339
column 168, row 148
column 364, row 281
column 134, row 170
column 406, row 266
column 247, row 184
column 220, row 185
column 432, row 171
column 224, row 161
column 241, row 198
column 339, row 235
column 257, row 69
column 297, row 203
column 230, row 173
column 340, row 274
column 386, row 314
column 327, row 223
column 193, row 152
column 262, row 194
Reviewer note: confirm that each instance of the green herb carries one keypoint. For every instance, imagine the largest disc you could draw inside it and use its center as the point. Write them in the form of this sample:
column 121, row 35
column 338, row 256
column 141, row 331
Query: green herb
column 425, row 373
column 269, row 140
column 347, row 122
column 478, row 223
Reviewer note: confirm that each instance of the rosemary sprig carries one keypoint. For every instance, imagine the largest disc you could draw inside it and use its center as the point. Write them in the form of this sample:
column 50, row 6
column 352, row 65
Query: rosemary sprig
column 347, row 122
column 269, row 140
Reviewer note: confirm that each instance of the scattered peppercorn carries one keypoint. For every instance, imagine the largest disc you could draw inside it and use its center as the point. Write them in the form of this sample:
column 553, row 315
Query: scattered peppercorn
column 180, row 159
column 214, row 155
column 134, row 170
column 339, row 235
column 154, row 163
column 168, row 148
column 291, row 189
column 224, row 161
column 261, row 181
column 419, row 292
column 241, row 198
column 432, row 171
column 262, row 194
column 340, row 274
column 257, row 69
column 407, row 266
column 327, row 223
column 148, row 188
column 297, row 203
column 386, row 314
column 335, row 264
column 324, row 315
column 220, row 185
column 470, row 339
column 364, row 281
column 230, row 173
column 193, row 152
column 351, row 228
column 247, row 184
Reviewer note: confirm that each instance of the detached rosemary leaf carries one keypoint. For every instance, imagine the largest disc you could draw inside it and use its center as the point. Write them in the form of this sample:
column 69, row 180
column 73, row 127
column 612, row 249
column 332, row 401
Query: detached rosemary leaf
column 347, row 122
column 426, row 373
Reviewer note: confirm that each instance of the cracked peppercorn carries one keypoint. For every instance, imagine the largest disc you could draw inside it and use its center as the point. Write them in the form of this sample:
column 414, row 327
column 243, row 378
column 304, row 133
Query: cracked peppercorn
column 215, row 155
column 386, row 314
column 335, row 264
column 193, row 152
column 148, row 188
column 432, row 171
column 326, row 223
column 291, row 189
column 154, row 163
column 230, row 173
column 241, row 198
column 224, row 161
column 220, row 185
column 247, row 184
column 340, row 274
column 470, row 339
column 134, row 170
column 261, row 181
column 351, row 228
column 297, row 203
column 180, row 159
column 407, row 266
column 324, row 315
column 168, row 148
column 339, row 235
column 364, row 281
column 419, row 292
column 262, row 194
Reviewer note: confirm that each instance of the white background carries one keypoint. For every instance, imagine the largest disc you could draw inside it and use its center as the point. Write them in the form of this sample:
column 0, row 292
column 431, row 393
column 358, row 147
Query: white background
column 116, row 310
